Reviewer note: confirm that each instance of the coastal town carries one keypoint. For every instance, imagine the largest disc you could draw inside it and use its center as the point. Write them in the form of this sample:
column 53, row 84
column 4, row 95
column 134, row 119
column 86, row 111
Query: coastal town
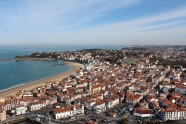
column 143, row 84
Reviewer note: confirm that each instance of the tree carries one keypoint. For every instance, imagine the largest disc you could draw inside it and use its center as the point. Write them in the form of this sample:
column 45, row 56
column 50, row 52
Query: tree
column 125, row 121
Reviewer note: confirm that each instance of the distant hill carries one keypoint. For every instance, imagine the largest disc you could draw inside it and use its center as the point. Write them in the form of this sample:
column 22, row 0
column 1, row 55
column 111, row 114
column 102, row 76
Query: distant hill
column 134, row 48
column 90, row 49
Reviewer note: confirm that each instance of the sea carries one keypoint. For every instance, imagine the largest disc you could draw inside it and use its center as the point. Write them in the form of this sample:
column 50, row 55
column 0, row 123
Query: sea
column 15, row 73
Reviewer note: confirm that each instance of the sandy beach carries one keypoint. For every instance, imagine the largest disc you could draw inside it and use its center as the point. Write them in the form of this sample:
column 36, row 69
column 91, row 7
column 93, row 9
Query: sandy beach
column 59, row 77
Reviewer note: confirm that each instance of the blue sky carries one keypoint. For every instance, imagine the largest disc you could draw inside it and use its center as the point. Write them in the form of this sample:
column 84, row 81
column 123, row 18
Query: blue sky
column 93, row 22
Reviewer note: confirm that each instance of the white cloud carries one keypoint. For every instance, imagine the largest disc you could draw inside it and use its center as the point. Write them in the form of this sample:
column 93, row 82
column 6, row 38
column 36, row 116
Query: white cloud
column 57, row 11
column 138, row 30
column 140, row 24
column 52, row 20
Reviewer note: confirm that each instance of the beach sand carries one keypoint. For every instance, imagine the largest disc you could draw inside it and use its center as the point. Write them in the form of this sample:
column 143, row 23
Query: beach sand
column 29, row 86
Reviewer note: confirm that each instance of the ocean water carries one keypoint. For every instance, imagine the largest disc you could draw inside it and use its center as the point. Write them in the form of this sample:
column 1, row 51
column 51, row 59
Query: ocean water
column 15, row 73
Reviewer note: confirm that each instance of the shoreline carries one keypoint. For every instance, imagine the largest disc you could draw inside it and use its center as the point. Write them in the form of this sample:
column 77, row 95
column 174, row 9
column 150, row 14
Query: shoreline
column 19, row 85
column 25, row 59
column 35, row 59
column 30, row 85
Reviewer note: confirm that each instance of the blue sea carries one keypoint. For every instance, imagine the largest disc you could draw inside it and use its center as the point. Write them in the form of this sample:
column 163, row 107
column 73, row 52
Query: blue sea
column 16, row 73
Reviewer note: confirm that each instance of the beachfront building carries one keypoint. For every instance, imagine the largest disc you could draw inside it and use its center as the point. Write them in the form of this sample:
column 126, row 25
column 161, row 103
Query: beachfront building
column 20, row 109
column 2, row 114
column 68, row 111
column 34, row 106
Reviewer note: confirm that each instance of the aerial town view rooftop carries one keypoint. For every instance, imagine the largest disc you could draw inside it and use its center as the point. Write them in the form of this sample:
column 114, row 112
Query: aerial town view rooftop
column 93, row 61
column 139, row 84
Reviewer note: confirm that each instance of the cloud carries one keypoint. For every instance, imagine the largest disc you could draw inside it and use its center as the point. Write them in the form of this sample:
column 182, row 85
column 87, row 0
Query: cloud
column 58, row 21
column 154, row 28
column 151, row 22
column 61, row 12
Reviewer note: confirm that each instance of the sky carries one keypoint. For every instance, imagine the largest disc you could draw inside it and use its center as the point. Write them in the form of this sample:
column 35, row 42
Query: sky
column 93, row 22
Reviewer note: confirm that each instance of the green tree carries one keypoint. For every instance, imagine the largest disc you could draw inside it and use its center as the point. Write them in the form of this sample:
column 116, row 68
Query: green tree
column 124, row 121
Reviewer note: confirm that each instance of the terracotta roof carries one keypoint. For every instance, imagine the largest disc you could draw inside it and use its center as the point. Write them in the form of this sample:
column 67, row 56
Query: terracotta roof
column 112, row 114
column 61, row 110
column 131, row 97
column 91, row 122
column 143, row 111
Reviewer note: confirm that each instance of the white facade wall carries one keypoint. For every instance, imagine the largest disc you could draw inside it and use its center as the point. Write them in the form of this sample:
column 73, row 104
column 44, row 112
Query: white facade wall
column 63, row 115
column 78, row 111
column 177, row 115
column 66, row 114
column 35, row 107
column 112, row 103
column 89, row 105
column 131, row 102
column 21, row 110
column 99, row 108
column 116, row 101
column 143, row 115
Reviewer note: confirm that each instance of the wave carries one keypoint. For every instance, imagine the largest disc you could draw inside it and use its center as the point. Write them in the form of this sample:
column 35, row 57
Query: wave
column 13, row 87
column 10, row 88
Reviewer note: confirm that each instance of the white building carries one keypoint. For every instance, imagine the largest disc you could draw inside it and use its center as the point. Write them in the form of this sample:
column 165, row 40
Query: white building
column 20, row 109
column 35, row 106
column 174, row 114
column 65, row 112
column 99, row 106
column 143, row 112
column 133, row 99
column 110, row 103
column 89, row 104
column 88, row 67
column 78, row 109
